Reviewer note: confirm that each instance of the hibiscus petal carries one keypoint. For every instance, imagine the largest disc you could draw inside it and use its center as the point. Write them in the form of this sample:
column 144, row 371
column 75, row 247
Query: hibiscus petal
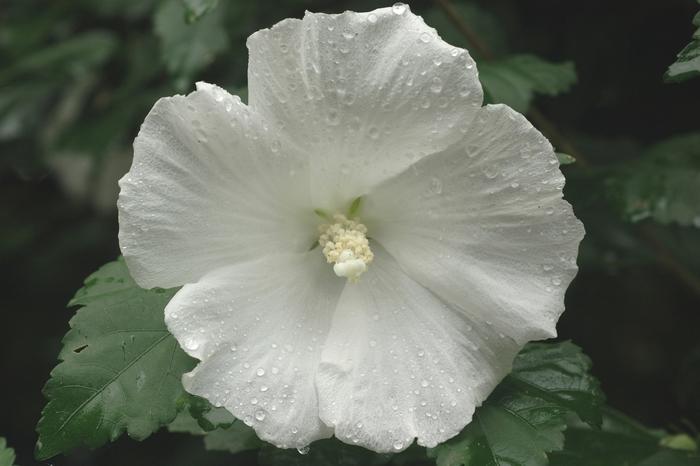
column 206, row 189
column 366, row 94
column 484, row 225
column 257, row 329
column 400, row 363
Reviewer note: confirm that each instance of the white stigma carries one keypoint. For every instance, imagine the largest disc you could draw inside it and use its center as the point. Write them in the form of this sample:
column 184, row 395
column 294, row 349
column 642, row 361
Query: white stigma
column 345, row 245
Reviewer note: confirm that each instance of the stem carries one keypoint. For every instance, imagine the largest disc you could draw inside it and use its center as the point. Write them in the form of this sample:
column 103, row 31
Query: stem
column 661, row 253
column 472, row 37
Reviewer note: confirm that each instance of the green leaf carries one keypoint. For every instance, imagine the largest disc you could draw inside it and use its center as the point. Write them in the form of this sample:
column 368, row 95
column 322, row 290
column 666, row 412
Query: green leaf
column 187, row 48
column 687, row 64
column 195, row 9
column 7, row 454
column 620, row 442
column 120, row 369
column 662, row 184
column 525, row 417
column 516, row 79
column 233, row 439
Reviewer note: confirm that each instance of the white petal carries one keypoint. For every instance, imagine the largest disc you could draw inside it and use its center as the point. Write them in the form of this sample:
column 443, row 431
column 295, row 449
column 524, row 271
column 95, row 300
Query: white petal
column 401, row 364
column 365, row 93
column 208, row 186
column 484, row 225
column 258, row 328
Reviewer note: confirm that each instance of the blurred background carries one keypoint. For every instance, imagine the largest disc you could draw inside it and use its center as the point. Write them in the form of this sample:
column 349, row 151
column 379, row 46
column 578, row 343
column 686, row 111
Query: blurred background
column 77, row 78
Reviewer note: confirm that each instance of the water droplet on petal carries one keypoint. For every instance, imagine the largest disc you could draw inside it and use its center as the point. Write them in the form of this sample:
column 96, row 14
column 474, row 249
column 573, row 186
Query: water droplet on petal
column 398, row 8
column 436, row 85
column 436, row 186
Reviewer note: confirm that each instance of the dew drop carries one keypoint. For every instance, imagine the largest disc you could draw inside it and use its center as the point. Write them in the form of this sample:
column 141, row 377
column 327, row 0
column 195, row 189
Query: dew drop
column 304, row 450
column 425, row 37
column 260, row 415
column 436, row 85
column 398, row 445
column 191, row 344
column 398, row 8
column 436, row 186
column 373, row 133
column 260, row 372
column 372, row 18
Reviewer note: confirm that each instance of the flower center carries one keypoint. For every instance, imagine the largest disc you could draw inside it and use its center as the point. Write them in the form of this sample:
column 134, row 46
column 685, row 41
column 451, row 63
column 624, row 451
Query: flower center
column 345, row 245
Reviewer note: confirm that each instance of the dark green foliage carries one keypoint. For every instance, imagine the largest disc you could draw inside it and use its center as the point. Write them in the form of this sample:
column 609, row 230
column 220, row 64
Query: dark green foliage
column 516, row 79
column 621, row 441
column 120, row 369
column 7, row 454
column 525, row 417
column 662, row 184
column 687, row 64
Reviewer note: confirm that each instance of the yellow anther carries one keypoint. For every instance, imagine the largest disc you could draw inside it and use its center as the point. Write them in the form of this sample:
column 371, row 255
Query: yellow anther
column 346, row 246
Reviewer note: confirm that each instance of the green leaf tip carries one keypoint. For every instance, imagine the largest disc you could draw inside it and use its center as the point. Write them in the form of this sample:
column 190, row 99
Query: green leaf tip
column 680, row 442
column 565, row 159
column 195, row 9
column 7, row 454
column 687, row 64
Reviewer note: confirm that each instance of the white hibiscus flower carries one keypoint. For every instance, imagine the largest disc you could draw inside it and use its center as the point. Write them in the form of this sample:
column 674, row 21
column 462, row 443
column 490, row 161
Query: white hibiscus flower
column 386, row 324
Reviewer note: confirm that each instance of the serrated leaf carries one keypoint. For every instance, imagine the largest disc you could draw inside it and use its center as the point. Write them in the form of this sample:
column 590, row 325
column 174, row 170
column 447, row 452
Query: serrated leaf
column 120, row 368
column 620, row 442
column 188, row 47
column 233, row 439
column 525, row 417
column 7, row 454
column 195, row 9
column 516, row 79
column 687, row 64
column 662, row 184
